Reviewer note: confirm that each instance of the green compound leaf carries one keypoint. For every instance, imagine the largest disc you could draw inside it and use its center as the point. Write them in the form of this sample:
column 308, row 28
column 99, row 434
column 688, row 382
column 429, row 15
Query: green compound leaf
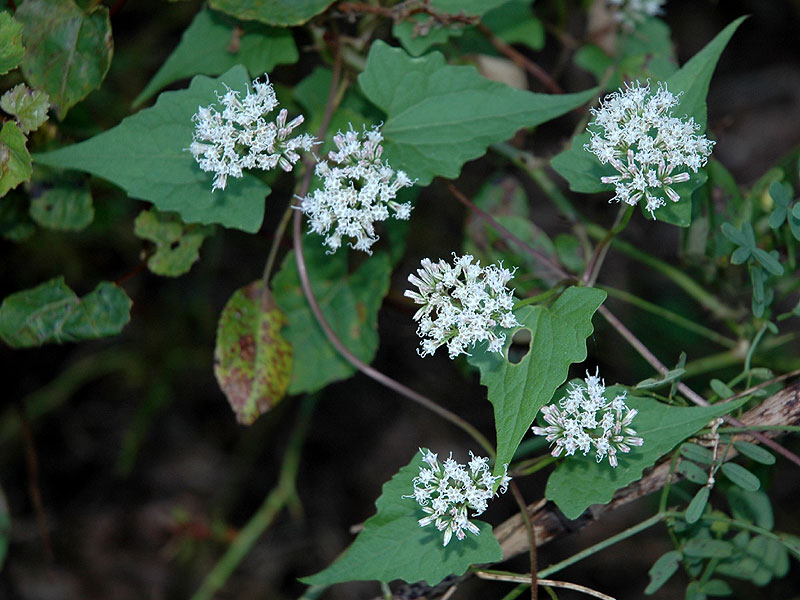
column 15, row 162
column 694, row 77
column 754, row 507
column 272, row 12
column 708, row 548
column 440, row 116
column 518, row 391
column 52, row 313
column 408, row 31
column 145, row 155
column 11, row 49
column 28, row 106
column 177, row 244
column 350, row 303
column 579, row 481
column 252, row 360
column 662, row 570
column 214, row 43
column 68, row 50
column 392, row 545
column 63, row 208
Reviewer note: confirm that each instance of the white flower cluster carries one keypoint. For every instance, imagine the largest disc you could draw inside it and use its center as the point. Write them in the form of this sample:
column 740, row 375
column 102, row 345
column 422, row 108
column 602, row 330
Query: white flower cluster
column 462, row 305
column 358, row 190
column 587, row 419
column 635, row 132
column 239, row 137
column 447, row 491
column 630, row 12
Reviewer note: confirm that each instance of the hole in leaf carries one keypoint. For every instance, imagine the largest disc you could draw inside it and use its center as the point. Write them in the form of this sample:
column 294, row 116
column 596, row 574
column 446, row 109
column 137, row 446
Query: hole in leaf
column 520, row 346
column 174, row 245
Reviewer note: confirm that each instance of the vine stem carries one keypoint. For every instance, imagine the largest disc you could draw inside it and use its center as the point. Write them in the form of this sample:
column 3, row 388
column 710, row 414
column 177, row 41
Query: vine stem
column 276, row 500
column 690, row 394
column 514, row 578
column 599, row 255
column 359, row 364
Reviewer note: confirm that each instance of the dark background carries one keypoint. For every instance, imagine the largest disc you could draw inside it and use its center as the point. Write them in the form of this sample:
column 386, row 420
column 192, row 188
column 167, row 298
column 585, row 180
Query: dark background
column 144, row 474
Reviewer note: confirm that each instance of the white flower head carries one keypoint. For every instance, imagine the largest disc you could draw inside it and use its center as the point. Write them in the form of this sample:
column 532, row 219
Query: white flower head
column 462, row 304
column 240, row 137
column 631, row 12
column 635, row 132
column 358, row 190
column 446, row 492
column 586, row 419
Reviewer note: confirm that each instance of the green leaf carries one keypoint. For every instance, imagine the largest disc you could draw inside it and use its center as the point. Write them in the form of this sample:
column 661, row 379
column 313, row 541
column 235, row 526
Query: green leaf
column 665, row 379
column 716, row 587
column 698, row 504
column 759, row 562
column 662, row 570
column 694, row 77
column 518, row 391
column 392, row 545
column 514, row 23
column 11, row 49
column 350, row 303
column 756, row 452
column 721, row 389
column 28, row 106
column 741, row 476
column 177, row 244
column 579, row 481
column 692, row 472
column 781, row 198
column 697, row 453
column 707, row 548
column 272, row 12
column 754, row 507
column 214, row 43
column 67, row 50
column 252, row 359
column 146, row 156
column 744, row 237
column 419, row 33
column 769, row 261
column 52, row 313
column 15, row 162
column 63, row 208
column 440, row 116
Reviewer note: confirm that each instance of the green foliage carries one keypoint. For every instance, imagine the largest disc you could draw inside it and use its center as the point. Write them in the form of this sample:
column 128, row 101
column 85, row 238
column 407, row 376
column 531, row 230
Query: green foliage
column 698, row 504
column 662, row 570
column 740, row 476
column 350, row 303
column 755, row 452
column 146, row 155
column 421, row 32
column 15, row 162
column 579, row 481
column 392, row 545
column 67, row 49
column 753, row 507
column 697, row 453
column 781, row 194
column 15, row 223
column 440, row 116
column 28, row 106
column 177, row 244
column 252, row 360
column 52, row 313
column 214, row 43
column 63, row 207
column 518, row 391
column 11, row 48
column 747, row 249
column 757, row 559
column 272, row 12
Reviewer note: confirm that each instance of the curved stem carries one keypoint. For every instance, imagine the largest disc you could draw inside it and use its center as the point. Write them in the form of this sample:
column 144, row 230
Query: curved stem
column 523, row 507
column 600, row 251
column 369, row 371
column 276, row 242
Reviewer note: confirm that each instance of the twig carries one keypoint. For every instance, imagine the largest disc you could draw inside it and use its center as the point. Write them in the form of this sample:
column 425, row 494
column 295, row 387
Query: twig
column 511, row 578
column 523, row 510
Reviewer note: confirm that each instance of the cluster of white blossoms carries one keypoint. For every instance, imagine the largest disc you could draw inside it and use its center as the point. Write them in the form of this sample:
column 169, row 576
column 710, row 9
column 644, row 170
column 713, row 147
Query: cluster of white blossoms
column 358, row 190
column 461, row 305
column 240, row 137
column 447, row 491
column 630, row 12
column 633, row 130
column 587, row 420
